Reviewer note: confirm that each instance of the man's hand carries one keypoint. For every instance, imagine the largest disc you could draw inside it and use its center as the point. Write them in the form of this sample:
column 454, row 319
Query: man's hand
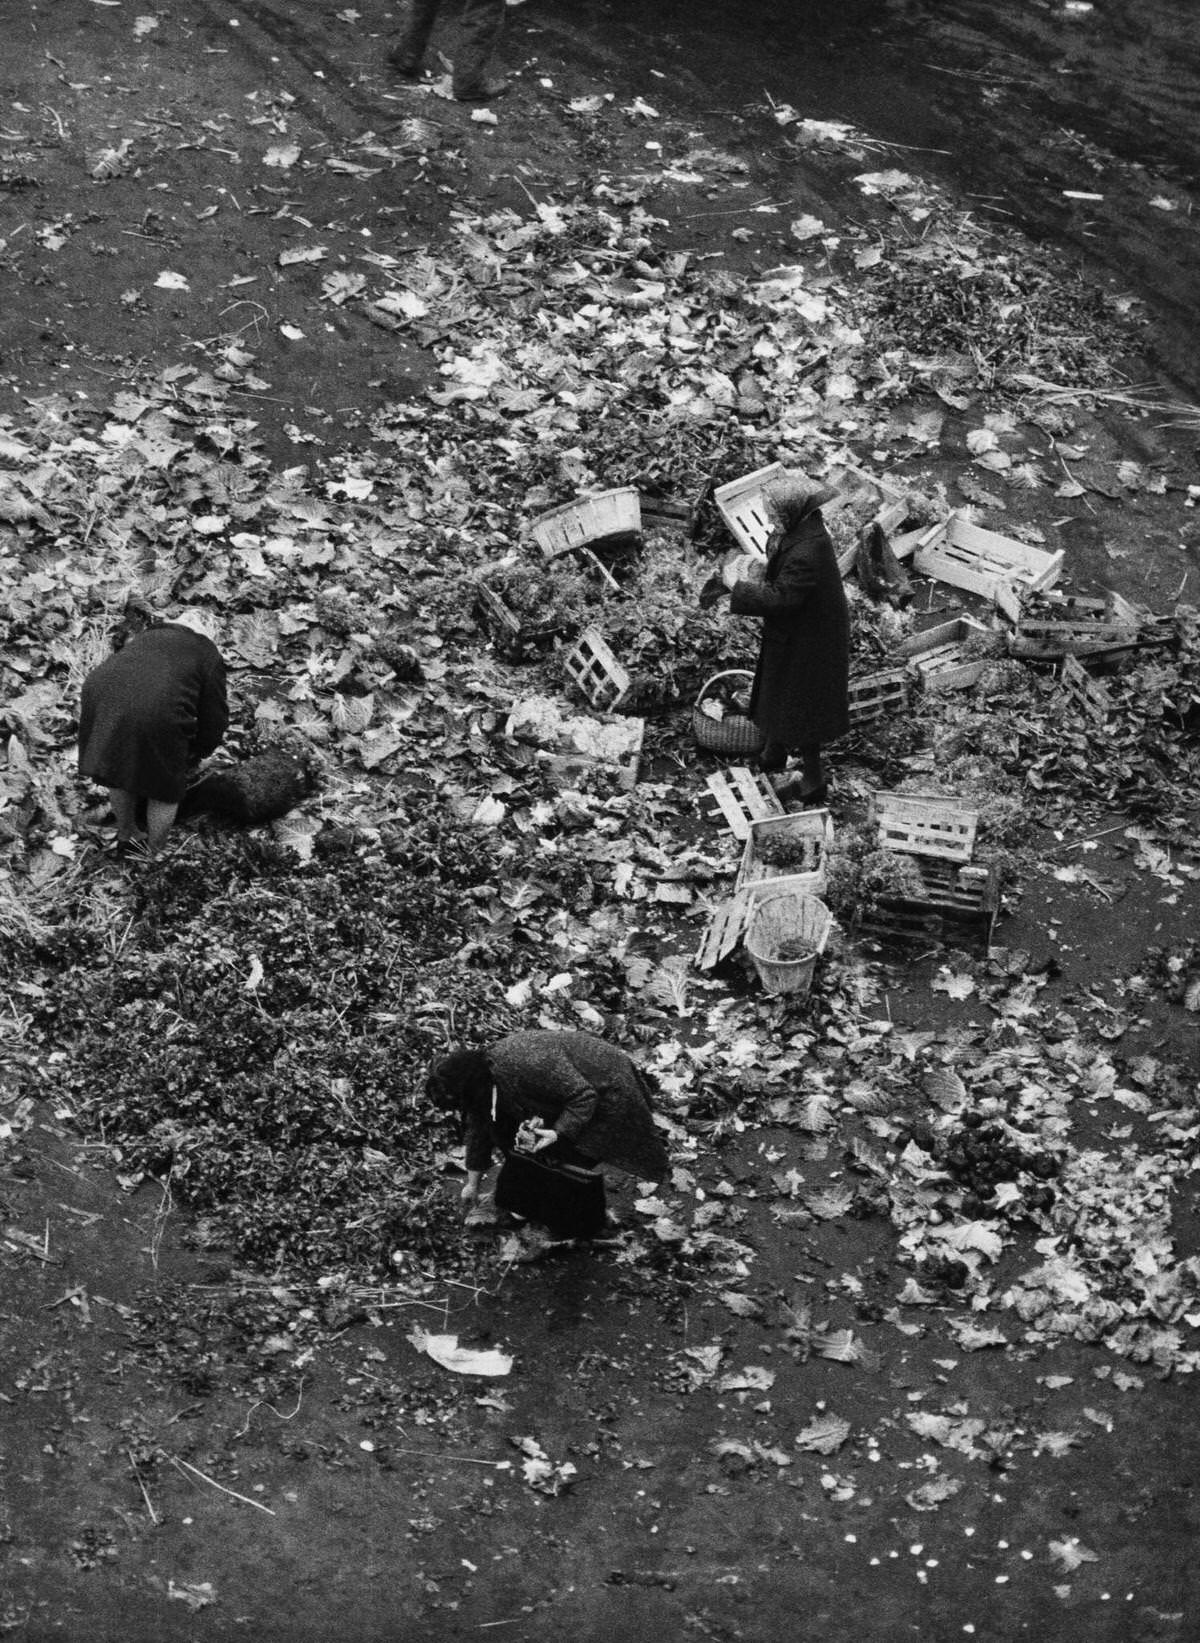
column 535, row 1137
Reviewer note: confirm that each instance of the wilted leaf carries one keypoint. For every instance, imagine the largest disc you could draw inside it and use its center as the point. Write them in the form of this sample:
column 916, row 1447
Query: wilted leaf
column 943, row 1086
column 1072, row 1554
column 823, row 1435
column 753, row 1378
column 955, row 984
column 831, row 1204
column 462, row 1360
column 742, row 1306
column 929, row 1496
column 282, row 155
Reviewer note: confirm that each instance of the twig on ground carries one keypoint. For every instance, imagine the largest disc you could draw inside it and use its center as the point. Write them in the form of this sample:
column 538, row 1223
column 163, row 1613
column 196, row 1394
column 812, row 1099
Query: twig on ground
column 142, row 1487
column 204, row 1478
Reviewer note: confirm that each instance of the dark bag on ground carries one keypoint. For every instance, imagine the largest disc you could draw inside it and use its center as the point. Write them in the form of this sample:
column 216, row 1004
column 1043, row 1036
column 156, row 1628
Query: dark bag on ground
column 566, row 1198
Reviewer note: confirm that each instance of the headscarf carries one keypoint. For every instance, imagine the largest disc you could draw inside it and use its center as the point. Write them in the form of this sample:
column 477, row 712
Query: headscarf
column 793, row 498
column 459, row 1081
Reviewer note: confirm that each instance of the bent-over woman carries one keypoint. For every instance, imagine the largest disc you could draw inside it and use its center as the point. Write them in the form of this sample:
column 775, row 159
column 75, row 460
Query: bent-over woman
column 148, row 712
column 590, row 1103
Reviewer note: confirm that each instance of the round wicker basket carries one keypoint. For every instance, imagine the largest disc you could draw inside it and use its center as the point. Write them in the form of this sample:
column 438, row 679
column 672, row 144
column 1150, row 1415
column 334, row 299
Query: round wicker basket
column 734, row 734
column 784, row 921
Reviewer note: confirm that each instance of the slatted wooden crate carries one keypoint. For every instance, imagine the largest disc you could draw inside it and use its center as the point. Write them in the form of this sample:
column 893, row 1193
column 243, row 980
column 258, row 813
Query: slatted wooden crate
column 957, row 909
column 743, row 506
column 1076, row 626
column 812, row 829
column 1078, row 686
column 925, row 824
column 743, row 796
column 595, row 671
column 512, row 637
column 878, row 695
column 995, row 567
column 935, row 655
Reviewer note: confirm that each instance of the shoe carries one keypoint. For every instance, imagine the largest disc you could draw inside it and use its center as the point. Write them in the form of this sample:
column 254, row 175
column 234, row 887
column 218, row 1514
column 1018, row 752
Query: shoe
column 815, row 797
column 403, row 66
column 485, row 92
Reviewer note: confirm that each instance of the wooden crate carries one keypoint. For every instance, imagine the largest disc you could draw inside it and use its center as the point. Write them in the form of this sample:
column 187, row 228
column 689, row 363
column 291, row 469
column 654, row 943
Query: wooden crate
column 925, row 825
column 1076, row 626
column 513, row 638
column 742, row 505
column 983, row 562
column 595, row 671
column 757, row 876
column 935, row 654
column 1078, row 686
column 877, row 695
column 743, row 796
column 605, row 516
column 958, row 908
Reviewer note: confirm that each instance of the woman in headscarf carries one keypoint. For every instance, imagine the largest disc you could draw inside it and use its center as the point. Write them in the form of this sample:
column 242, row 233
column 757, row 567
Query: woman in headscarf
column 799, row 700
column 576, row 1098
column 149, row 712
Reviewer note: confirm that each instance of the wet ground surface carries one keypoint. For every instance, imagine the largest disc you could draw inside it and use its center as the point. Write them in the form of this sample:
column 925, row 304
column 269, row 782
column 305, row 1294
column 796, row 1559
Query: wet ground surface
column 365, row 1537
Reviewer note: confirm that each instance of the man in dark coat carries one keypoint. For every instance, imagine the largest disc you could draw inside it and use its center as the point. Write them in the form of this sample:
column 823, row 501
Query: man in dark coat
column 800, row 696
column 152, row 709
column 588, row 1101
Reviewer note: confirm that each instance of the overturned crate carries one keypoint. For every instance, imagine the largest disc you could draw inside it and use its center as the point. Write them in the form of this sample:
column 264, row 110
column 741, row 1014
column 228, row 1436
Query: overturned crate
column 995, row 567
column 957, row 900
column 514, row 638
column 937, row 656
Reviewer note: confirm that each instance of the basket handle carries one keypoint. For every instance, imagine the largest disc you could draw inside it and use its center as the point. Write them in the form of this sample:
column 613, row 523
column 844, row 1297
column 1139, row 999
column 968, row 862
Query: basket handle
column 729, row 673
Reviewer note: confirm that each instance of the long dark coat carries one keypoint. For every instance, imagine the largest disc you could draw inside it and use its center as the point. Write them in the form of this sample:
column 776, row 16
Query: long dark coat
column 799, row 697
column 150, row 709
column 586, row 1089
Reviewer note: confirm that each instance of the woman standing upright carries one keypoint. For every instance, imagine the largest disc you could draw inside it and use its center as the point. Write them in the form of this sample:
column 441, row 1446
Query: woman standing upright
column 800, row 696
column 148, row 712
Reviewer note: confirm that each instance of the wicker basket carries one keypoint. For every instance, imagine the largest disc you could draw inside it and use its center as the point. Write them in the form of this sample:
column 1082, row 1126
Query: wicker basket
column 734, row 734
column 776, row 920
column 608, row 516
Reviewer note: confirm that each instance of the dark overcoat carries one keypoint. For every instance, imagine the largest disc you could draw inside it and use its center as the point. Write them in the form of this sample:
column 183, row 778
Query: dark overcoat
column 799, row 697
column 150, row 709
column 584, row 1088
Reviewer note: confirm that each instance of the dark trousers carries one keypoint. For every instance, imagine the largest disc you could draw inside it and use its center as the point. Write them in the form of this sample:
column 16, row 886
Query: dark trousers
column 481, row 23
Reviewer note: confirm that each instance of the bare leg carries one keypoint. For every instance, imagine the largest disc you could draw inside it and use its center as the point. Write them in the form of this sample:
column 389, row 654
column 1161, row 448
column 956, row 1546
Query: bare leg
column 810, row 764
column 124, row 808
column 159, row 816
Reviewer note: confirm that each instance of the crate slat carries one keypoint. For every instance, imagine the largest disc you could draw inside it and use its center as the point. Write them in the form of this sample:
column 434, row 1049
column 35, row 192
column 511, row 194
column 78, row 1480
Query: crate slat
column 1078, row 685
column 725, row 929
column 743, row 796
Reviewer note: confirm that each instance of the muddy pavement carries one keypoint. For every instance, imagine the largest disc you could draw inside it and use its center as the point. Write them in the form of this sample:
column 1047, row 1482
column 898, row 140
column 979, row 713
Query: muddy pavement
column 195, row 1452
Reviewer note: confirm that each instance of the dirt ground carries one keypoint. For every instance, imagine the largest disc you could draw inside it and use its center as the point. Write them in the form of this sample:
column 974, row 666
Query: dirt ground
column 387, row 1499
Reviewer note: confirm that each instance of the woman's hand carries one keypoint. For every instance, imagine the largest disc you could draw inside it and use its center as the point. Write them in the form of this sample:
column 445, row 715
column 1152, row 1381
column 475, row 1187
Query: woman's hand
column 535, row 1137
column 740, row 567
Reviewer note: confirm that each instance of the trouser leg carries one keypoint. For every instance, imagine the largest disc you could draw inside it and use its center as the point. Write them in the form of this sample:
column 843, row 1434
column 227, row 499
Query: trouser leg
column 810, row 764
column 408, row 48
column 159, row 816
column 482, row 24
column 774, row 756
column 124, row 808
